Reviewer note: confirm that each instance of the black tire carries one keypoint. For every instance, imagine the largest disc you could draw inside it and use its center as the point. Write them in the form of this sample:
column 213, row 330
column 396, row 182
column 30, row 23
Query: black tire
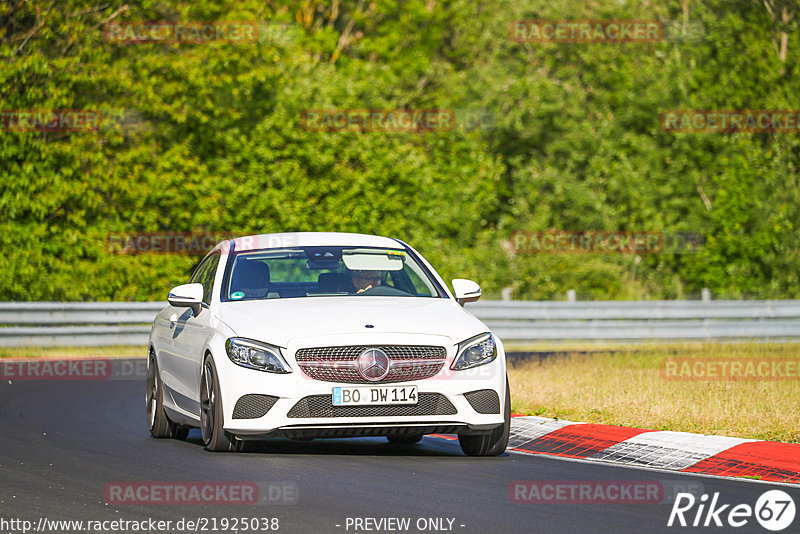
column 215, row 437
column 160, row 425
column 493, row 443
column 405, row 439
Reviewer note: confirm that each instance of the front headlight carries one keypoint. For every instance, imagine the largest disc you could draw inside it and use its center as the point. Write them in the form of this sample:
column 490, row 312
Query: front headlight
column 255, row 355
column 475, row 351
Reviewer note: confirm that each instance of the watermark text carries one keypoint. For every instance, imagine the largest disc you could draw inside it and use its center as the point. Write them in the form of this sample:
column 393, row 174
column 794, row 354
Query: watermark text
column 193, row 32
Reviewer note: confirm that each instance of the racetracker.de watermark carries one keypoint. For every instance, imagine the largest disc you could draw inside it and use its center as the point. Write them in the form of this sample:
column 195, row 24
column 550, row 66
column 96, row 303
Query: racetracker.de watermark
column 70, row 120
column 181, row 493
column 185, row 32
column 586, row 31
column 586, row 491
column 604, row 242
column 193, row 244
column 73, row 369
column 378, row 120
column 731, row 121
column 51, row 120
column 730, row 369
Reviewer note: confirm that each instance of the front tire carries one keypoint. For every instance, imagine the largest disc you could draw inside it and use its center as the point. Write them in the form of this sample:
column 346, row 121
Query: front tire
column 160, row 425
column 495, row 442
column 215, row 437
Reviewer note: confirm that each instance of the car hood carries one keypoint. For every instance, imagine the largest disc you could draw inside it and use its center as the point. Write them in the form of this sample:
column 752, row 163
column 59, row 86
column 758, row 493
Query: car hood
column 281, row 321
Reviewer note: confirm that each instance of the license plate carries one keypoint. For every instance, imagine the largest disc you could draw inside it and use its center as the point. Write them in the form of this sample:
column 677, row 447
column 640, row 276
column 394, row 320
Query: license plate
column 364, row 396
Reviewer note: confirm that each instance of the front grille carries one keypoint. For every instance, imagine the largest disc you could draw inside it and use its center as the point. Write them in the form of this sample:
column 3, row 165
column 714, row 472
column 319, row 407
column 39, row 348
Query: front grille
column 338, row 364
column 484, row 400
column 253, row 406
column 395, row 352
column 322, row 406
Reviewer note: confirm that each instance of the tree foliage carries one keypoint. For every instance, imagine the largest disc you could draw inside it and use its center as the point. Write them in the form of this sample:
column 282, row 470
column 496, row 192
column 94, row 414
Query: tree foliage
column 210, row 138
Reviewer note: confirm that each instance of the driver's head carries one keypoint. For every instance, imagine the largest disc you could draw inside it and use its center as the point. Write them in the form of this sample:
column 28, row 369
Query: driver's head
column 364, row 280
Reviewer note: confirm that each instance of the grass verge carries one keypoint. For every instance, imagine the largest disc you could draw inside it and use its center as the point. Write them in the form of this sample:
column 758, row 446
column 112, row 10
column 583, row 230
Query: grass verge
column 73, row 352
column 629, row 388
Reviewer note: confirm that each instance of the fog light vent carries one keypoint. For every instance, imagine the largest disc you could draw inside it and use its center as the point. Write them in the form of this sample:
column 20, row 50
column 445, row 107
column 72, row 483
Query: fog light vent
column 484, row 401
column 253, row 406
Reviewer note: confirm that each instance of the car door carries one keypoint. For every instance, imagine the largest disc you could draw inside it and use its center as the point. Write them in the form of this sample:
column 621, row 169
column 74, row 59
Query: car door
column 189, row 340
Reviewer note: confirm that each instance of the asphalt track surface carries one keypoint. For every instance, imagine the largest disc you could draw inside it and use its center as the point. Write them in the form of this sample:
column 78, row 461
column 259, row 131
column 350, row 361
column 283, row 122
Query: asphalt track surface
column 62, row 442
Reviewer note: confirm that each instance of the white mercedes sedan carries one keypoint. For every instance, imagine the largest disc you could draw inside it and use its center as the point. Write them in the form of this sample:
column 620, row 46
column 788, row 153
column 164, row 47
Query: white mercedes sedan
column 324, row 335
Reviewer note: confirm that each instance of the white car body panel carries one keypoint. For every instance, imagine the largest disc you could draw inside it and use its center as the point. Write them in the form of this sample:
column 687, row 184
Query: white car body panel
column 279, row 321
column 180, row 342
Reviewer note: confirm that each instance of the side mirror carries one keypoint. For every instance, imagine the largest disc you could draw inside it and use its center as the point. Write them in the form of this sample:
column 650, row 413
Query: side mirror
column 187, row 296
column 466, row 290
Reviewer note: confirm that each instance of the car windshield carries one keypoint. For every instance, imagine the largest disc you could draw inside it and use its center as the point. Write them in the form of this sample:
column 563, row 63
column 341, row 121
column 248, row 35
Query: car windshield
column 327, row 272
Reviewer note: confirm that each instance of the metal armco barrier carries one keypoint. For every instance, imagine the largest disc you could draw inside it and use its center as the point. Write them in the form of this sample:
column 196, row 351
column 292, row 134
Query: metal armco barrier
column 640, row 320
column 62, row 324
column 128, row 323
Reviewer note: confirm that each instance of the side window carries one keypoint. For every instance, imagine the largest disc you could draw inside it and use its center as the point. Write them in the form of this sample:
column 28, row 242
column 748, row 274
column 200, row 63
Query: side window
column 198, row 273
column 205, row 275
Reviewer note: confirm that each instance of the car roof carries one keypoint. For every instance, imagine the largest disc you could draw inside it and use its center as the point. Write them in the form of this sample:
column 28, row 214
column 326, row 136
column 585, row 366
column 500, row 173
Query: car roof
column 310, row 239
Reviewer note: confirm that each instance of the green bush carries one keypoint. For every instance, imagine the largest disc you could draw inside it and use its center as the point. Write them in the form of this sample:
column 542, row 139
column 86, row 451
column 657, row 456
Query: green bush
column 210, row 138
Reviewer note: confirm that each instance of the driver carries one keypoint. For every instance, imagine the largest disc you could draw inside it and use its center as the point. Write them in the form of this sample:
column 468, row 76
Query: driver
column 364, row 280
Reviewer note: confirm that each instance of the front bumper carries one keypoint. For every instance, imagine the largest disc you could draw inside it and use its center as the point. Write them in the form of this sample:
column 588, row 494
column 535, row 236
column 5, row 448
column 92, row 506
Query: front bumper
column 300, row 407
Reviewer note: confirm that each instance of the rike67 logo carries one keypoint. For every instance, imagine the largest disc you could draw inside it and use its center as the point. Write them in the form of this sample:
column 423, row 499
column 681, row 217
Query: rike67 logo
column 774, row 510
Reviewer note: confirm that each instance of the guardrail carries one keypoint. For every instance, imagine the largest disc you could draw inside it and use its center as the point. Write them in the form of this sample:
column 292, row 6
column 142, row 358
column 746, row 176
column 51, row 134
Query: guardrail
column 63, row 324
column 640, row 320
column 128, row 323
